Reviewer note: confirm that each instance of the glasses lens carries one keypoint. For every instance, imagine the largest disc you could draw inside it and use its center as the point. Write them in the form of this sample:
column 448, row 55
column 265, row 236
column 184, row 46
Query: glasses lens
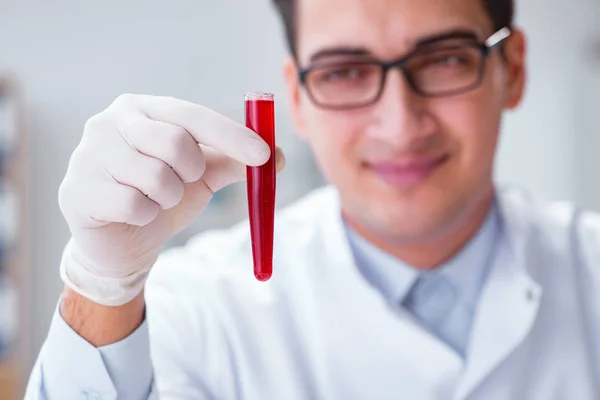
column 345, row 84
column 447, row 70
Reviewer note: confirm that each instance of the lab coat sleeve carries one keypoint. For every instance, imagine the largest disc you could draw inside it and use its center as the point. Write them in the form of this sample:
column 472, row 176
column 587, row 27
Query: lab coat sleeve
column 587, row 240
column 68, row 367
column 192, row 358
column 183, row 335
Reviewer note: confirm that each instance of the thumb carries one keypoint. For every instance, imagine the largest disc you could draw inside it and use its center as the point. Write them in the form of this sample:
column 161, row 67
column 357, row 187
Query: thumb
column 221, row 171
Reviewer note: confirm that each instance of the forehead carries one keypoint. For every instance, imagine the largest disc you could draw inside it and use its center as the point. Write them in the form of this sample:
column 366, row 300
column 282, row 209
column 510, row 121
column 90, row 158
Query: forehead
column 386, row 28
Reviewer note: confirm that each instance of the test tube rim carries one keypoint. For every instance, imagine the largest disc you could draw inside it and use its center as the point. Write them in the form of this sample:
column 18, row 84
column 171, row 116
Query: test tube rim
column 253, row 96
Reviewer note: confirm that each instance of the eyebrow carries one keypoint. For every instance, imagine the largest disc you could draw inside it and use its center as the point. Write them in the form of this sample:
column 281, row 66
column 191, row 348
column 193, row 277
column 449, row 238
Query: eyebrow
column 424, row 41
column 453, row 34
column 339, row 51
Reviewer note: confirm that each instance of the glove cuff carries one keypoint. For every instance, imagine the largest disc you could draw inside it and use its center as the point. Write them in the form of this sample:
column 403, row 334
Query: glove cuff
column 104, row 290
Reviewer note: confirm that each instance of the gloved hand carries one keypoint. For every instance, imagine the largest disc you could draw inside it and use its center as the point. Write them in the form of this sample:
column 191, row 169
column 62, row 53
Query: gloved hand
column 146, row 167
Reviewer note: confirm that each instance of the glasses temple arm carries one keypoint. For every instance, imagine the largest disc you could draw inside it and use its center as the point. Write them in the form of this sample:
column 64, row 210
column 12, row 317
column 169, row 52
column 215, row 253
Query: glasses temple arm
column 498, row 37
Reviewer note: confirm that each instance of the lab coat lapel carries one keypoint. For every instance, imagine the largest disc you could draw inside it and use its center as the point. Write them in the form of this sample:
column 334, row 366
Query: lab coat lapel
column 386, row 352
column 509, row 302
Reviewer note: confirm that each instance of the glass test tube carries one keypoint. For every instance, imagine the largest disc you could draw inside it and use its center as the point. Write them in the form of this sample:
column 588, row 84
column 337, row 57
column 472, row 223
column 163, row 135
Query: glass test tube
column 260, row 117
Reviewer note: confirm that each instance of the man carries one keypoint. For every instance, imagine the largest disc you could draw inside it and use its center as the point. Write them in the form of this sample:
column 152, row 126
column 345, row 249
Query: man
column 411, row 277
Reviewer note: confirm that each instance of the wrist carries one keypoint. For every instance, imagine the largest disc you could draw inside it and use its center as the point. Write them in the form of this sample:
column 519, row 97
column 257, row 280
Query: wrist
column 77, row 274
column 98, row 324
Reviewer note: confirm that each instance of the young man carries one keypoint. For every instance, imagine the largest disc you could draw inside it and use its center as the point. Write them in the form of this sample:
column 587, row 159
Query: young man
column 410, row 277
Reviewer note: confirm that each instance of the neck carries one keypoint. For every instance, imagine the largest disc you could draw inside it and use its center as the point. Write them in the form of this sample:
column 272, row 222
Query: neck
column 435, row 251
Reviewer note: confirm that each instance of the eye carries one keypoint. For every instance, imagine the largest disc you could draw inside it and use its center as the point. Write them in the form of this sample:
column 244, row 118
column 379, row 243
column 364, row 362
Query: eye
column 342, row 73
column 449, row 60
column 464, row 57
column 346, row 75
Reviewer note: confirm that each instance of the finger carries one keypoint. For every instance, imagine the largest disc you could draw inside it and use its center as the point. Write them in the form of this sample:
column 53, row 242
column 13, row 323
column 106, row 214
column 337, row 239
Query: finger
column 124, row 204
column 150, row 176
column 222, row 171
column 209, row 128
column 104, row 201
column 168, row 143
column 280, row 159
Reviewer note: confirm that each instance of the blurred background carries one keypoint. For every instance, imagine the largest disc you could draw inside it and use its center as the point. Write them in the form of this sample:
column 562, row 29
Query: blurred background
column 63, row 61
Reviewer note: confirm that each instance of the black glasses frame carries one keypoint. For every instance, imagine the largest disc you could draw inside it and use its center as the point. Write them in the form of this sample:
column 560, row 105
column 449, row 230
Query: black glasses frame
column 485, row 48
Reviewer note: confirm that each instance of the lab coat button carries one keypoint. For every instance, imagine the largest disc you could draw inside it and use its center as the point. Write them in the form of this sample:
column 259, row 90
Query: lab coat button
column 531, row 295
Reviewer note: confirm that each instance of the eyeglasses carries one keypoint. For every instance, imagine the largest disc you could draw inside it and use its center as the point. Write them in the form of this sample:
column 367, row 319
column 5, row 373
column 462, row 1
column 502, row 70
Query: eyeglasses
column 433, row 71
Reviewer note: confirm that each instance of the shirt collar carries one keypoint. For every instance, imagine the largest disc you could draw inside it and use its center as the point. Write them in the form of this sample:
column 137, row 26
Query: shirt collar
column 466, row 271
column 384, row 272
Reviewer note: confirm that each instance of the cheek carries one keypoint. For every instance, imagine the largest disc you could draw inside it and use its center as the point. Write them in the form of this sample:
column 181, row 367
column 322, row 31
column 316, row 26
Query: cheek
column 474, row 122
column 334, row 138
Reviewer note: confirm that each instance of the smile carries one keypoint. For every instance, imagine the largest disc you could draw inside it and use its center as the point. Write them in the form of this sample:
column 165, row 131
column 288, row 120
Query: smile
column 407, row 173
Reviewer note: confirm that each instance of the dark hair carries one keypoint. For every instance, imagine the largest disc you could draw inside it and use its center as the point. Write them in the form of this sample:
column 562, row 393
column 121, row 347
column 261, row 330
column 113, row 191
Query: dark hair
column 501, row 13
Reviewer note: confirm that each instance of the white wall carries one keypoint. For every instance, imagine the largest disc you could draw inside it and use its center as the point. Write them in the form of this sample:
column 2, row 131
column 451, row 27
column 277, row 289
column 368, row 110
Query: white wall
column 586, row 111
column 549, row 144
column 72, row 58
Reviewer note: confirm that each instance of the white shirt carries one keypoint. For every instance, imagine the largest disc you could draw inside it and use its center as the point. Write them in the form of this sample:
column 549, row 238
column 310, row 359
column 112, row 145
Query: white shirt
column 319, row 330
column 443, row 300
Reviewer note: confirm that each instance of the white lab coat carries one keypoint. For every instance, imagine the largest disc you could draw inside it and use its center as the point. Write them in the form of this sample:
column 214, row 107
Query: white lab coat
column 318, row 330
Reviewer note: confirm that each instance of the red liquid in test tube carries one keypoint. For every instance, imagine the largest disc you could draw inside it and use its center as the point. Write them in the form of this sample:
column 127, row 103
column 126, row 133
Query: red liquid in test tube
column 260, row 117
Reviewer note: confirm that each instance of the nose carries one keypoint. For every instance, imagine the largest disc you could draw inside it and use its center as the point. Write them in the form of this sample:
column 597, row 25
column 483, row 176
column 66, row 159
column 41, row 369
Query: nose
column 401, row 117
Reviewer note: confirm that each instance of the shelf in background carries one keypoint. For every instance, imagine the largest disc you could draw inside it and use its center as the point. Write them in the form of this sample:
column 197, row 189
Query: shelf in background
column 8, row 377
column 14, row 237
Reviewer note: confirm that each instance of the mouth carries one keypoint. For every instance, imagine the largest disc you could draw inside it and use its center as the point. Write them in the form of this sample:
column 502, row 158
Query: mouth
column 407, row 173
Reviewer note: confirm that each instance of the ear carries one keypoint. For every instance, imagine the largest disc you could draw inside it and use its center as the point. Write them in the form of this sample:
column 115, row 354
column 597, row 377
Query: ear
column 515, row 53
column 290, row 70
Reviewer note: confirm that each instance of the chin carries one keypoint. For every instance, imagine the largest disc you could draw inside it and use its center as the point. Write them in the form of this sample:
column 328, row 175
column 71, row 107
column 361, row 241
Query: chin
column 421, row 213
column 408, row 223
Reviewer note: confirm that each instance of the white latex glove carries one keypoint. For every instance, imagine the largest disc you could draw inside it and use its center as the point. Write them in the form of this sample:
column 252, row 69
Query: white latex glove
column 146, row 167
